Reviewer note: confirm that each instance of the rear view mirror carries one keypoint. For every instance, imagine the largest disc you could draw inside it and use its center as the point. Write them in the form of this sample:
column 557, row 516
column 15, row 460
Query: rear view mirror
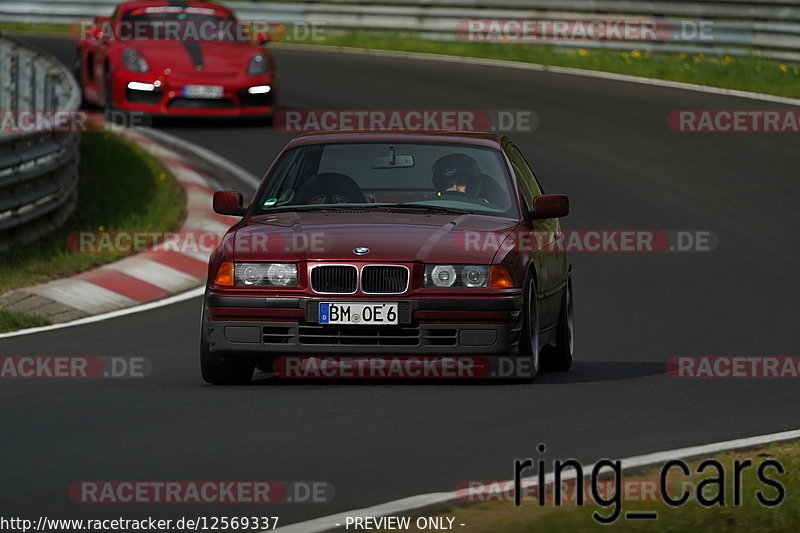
column 393, row 160
column 228, row 203
column 550, row 206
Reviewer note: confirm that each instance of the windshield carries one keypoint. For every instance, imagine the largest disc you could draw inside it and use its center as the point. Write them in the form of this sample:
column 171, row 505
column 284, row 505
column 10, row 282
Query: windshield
column 178, row 23
column 434, row 176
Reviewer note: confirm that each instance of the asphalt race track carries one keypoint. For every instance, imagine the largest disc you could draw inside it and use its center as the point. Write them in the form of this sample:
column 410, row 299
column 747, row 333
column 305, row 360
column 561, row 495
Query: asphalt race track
column 607, row 145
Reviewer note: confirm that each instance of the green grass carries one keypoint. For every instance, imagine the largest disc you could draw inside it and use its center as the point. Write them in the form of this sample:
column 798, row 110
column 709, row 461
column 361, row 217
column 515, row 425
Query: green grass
column 750, row 517
column 29, row 27
column 748, row 73
column 121, row 188
column 13, row 320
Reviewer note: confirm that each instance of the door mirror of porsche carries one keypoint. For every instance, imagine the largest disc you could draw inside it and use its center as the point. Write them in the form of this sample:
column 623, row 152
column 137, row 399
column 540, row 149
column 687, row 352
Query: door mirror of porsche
column 550, row 206
column 98, row 30
column 96, row 33
column 261, row 37
column 228, row 203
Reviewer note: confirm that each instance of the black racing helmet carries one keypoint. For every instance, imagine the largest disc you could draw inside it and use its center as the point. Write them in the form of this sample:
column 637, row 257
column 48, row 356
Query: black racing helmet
column 458, row 168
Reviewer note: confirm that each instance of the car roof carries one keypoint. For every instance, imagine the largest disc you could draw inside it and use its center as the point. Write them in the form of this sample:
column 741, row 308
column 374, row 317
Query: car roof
column 491, row 140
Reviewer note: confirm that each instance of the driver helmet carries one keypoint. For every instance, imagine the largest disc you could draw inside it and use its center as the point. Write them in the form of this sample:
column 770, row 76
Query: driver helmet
column 456, row 169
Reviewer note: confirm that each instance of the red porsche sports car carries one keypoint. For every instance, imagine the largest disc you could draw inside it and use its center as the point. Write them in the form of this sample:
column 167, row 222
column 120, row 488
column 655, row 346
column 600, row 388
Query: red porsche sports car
column 370, row 244
column 176, row 58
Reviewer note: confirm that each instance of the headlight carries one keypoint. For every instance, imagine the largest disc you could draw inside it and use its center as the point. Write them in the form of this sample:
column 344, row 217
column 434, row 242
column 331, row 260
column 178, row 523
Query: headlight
column 474, row 276
column 133, row 60
column 456, row 276
column 265, row 274
column 441, row 275
column 258, row 65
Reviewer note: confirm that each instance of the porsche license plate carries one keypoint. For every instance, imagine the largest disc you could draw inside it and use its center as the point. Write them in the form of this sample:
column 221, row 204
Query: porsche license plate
column 203, row 91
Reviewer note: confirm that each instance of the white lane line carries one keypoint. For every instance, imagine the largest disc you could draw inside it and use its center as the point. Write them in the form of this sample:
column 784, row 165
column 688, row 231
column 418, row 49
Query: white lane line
column 194, row 293
column 83, row 295
column 204, row 154
column 421, row 501
column 543, row 68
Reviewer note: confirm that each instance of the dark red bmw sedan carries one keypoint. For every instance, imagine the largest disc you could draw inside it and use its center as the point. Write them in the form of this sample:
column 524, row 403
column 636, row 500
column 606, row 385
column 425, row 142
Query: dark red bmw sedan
column 384, row 244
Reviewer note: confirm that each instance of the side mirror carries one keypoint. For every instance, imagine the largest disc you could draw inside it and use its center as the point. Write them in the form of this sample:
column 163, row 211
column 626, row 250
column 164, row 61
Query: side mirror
column 228, row 203
column 550, row 206
column 261, row 37
column 98, row 30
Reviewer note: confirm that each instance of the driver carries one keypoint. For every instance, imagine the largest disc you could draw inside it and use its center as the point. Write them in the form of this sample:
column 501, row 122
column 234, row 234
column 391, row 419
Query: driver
column 457, row 173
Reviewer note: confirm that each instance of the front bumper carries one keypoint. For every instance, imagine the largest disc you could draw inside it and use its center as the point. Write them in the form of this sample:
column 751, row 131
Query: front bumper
column 168, row 98
column 254, row 327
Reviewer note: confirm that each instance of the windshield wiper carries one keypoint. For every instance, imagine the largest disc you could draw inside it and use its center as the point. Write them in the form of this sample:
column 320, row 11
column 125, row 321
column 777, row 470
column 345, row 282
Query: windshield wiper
column 410, row 205
column 437, row 208
column 290, row 208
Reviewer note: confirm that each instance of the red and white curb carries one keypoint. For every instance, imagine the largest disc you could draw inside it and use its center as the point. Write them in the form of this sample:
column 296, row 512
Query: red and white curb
column 140, row 278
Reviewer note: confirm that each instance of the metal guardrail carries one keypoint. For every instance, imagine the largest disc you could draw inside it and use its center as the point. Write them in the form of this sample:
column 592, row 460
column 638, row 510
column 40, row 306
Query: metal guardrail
column 769, row 28
column 38, row 169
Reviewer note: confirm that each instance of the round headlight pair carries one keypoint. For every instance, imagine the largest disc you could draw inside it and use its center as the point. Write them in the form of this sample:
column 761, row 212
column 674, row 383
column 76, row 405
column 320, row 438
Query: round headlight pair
column 275, row 274
column 471, row 276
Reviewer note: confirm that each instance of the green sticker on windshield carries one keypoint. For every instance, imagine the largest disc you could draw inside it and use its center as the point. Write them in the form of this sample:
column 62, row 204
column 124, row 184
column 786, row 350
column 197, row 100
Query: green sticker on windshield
column 270, row 202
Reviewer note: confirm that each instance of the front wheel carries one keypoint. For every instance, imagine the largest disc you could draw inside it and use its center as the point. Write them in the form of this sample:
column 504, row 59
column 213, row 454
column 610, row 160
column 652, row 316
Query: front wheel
column 559, row 358
column 529, row 336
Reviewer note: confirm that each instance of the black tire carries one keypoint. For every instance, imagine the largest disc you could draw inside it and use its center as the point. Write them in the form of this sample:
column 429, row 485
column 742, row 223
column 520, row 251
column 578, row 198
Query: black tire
column 77, row 71
column 216, row 370
column 529, row 336
column 558, row 358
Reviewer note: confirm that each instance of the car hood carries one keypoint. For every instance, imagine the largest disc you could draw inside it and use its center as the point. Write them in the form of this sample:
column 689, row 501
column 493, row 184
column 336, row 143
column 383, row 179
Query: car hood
column 390, row 236
column 184, row 57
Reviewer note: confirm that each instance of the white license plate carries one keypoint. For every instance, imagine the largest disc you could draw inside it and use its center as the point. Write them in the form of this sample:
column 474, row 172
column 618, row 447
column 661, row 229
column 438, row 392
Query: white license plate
column 372, row 314
column 203, row 91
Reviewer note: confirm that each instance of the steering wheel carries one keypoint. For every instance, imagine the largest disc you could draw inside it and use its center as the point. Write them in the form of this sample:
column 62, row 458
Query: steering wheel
column 329, row 188
column 331, row 198
column 458, row 194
